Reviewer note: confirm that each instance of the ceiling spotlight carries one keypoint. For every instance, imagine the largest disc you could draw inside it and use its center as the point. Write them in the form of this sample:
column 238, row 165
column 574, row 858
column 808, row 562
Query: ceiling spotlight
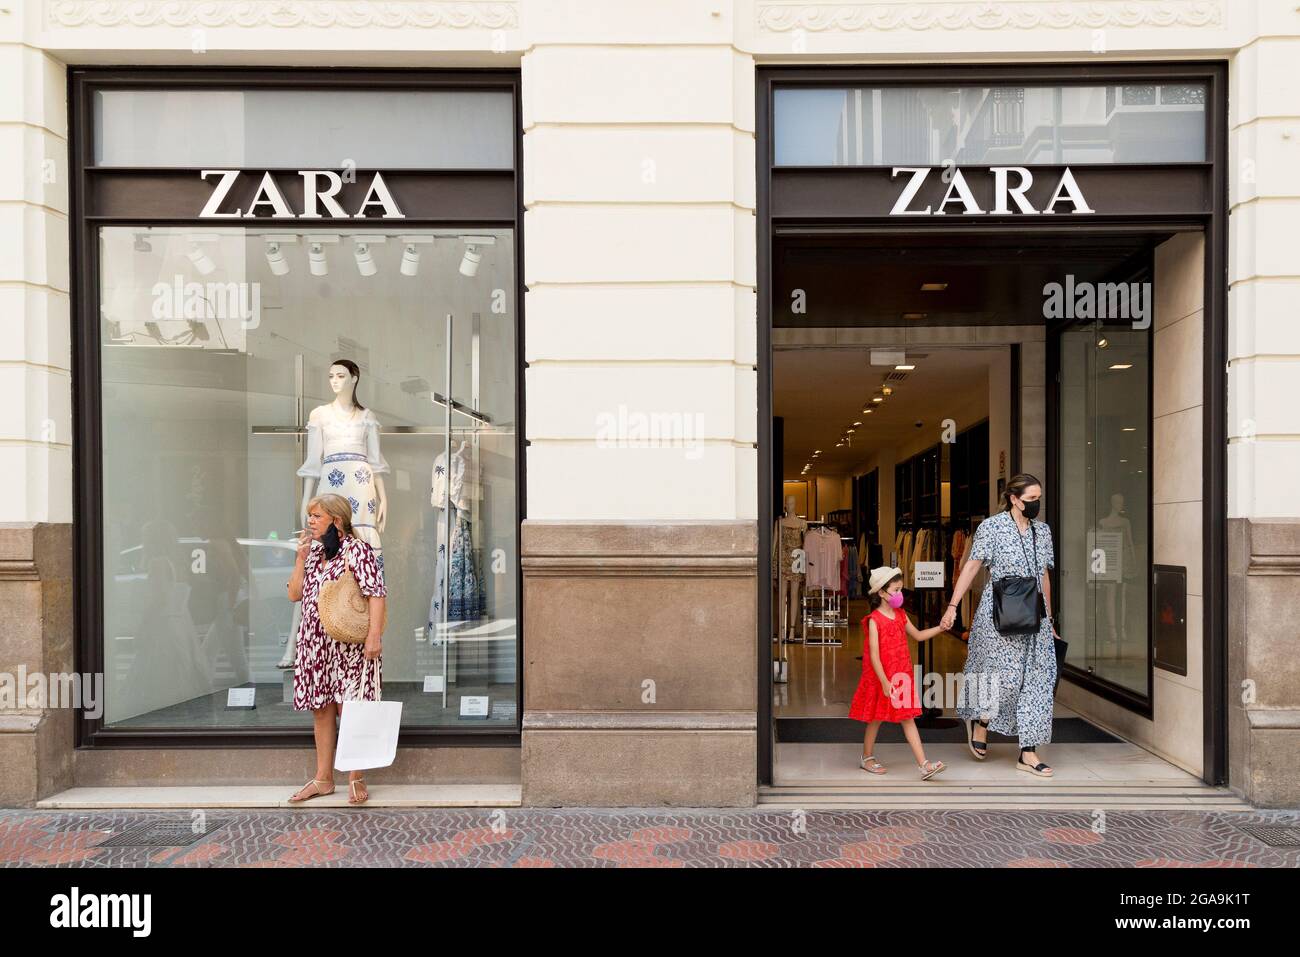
column 851, row 431
column 141, row 244
column 878, row 399
column 410, row 260
column 1122, row 365
column 818, row 452
column 867, row 411
column 316, row 260
column 1103, row 342
column 473, row 254
column 1129, row 428
column 275, row 258
column 365, row 262
column 202, row 262
column 933, row 286
column 904, row 368
column 887, row 390
column 914, row 315
column 857, row 423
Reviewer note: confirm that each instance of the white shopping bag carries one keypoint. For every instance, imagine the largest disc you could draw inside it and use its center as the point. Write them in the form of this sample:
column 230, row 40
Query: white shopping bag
column 367, row 735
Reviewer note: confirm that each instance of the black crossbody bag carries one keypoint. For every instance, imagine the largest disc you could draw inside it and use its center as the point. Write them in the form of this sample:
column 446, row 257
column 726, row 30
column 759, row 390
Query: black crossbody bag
column 1018, row 606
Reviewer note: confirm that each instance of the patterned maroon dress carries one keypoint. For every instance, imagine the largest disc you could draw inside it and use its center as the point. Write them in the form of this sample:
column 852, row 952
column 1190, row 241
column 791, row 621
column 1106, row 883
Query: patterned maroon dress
column 326, row 670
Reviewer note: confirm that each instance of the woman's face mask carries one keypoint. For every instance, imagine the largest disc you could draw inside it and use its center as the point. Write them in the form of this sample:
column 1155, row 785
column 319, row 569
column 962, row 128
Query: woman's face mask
column 330, row 541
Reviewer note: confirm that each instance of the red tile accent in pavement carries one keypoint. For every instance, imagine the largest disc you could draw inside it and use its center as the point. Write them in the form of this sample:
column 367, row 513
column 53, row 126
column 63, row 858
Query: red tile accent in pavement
column 896, row 835
column 311, row 845
column 662, row 835
column 534, row 862
column 748, row 850
column 1035, row 862
column 873, row 851
column 1074, row 836
column 633, row 853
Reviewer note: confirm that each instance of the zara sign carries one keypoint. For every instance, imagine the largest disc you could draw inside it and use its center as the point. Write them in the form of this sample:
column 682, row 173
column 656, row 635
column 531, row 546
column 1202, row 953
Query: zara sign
column 1005, row 193
column 320, row 189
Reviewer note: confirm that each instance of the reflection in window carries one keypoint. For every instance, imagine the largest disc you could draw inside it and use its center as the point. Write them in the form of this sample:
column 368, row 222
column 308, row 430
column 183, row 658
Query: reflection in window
column 887, row 126
column 215, row 353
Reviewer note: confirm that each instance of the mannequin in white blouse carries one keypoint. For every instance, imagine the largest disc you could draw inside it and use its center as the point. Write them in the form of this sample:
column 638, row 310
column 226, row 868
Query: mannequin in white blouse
column 342, row 426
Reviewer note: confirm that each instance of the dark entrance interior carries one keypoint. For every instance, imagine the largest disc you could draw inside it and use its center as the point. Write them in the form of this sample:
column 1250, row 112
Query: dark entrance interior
column 911, row 375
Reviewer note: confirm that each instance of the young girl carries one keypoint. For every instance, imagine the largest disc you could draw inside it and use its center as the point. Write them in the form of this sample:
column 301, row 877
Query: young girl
column 886, row 691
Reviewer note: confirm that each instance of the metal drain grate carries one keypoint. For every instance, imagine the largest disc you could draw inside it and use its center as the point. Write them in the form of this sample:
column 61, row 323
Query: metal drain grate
column 1274, row 835
column 162, row 834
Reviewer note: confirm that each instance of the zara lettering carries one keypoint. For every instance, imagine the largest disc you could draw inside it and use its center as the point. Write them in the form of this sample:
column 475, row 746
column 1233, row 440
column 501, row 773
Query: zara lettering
column 959, row 194
column 320, row 187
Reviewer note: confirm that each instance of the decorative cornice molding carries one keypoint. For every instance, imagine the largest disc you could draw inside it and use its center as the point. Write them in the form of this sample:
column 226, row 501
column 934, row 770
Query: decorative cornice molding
column 987, row 15
column 391, row 14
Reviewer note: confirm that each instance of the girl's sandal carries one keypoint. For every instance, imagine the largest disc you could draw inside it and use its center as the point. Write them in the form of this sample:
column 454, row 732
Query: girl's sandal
column 930, row 769
column 352, row 791
column 872, row 766
column 317, row 791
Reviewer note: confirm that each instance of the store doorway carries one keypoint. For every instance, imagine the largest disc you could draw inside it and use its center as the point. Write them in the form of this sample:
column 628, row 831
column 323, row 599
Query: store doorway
column 911, row 378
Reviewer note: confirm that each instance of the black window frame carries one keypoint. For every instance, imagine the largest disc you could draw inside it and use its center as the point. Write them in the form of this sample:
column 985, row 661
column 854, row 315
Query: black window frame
column 87, row 452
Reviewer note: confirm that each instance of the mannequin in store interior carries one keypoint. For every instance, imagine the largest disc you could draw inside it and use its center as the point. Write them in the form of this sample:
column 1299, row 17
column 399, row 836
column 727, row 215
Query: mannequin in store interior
column 454, row 485
column 790, row 530
column 343, row 458
column 1116, row 592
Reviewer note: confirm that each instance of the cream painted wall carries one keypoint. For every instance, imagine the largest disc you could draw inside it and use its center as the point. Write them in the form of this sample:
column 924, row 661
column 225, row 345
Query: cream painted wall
column 639, row 231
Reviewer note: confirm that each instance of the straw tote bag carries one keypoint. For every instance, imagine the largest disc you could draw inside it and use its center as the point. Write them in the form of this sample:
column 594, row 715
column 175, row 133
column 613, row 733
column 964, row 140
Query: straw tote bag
column 344, row 611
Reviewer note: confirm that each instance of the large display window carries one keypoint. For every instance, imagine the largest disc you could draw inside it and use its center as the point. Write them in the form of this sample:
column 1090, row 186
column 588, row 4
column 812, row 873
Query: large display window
column 243, row 361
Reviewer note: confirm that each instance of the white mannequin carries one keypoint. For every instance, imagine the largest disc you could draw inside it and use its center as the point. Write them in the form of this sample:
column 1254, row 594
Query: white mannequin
column 1117, row 592
column 790, row 584
column 344, row 386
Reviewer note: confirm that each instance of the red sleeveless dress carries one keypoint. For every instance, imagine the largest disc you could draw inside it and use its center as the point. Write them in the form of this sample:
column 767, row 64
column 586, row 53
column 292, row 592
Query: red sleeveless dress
column 870, row 703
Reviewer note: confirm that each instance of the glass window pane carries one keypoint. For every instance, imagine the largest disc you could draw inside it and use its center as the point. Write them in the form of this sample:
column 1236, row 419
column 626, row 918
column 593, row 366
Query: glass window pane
column 317, row 129
column 1105, row 500
column 989, row 126
column 216, row 347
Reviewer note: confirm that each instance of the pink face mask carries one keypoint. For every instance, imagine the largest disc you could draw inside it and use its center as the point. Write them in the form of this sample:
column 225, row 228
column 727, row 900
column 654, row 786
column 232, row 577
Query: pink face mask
column 895, row 599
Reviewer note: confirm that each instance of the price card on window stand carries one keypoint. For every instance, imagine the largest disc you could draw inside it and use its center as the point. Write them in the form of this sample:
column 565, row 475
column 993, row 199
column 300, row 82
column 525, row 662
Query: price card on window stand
column 474, row 706
column 245, row 698
column 928, row 575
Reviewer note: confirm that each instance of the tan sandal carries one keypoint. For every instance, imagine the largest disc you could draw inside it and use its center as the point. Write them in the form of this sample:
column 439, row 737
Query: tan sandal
column 317, row 791
column 352, row 792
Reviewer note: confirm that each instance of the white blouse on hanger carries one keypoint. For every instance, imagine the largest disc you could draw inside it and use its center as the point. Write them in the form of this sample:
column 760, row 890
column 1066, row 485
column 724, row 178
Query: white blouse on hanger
column 459, row 491
column 330, row 433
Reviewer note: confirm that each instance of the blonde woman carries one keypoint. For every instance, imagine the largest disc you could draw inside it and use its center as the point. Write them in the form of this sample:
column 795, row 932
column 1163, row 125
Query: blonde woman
column 328, row 672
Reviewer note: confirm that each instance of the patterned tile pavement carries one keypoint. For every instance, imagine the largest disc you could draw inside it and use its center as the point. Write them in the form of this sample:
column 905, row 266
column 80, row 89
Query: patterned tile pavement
column 654, row 838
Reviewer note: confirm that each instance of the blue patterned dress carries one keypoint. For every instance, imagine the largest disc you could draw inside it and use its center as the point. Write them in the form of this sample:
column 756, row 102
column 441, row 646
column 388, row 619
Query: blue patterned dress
column 1010, row 677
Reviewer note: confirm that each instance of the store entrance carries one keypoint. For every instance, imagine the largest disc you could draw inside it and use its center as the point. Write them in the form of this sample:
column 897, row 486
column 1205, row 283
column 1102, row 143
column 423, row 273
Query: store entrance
column 911, row 378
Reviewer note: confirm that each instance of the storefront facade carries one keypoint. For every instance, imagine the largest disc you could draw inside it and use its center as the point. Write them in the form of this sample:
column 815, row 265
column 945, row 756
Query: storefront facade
column 571, row 240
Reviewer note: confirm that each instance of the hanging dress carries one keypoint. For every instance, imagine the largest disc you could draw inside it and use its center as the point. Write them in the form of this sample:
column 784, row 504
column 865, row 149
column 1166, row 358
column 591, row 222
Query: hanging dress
column 466, row 598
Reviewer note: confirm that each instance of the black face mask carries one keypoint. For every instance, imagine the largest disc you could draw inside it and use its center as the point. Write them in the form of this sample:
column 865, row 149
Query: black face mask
column 330, row 542
column 1031, row 509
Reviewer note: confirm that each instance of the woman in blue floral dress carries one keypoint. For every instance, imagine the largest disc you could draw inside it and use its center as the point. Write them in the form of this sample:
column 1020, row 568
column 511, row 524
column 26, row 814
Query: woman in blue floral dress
column 1008, row 681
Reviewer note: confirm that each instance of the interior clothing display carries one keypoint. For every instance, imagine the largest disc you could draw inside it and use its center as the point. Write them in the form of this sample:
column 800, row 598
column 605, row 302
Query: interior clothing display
column 791, row 538
column 853, row 572
column 869, row 701
column 466, row 600
column 326, row 670
column 456, row 474
column 1022, row 667
column 343, row 452
column 822, row 550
